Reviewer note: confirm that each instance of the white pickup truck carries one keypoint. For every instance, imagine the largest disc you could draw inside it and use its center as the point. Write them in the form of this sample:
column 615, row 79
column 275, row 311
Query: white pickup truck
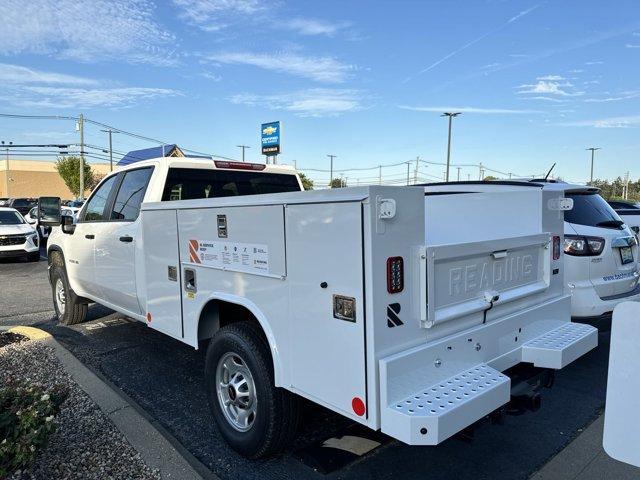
column 402, row 311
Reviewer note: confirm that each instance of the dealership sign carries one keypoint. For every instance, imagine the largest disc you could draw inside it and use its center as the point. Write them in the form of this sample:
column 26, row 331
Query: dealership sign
column 271, row 136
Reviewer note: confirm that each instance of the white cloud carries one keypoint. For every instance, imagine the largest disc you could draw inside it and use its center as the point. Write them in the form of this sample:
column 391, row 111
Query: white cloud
column 315, row 102
column 548, row 87
column 309, row 26
column 213, row 15
column 631, row 45
column 611, row 122
column 595, row 62
column 68, row 97
column 85, row 30
column 320, row 69
column 627, row 95
column 468, row 110
column 23, row 75
column 211, row 76
column 551, row 78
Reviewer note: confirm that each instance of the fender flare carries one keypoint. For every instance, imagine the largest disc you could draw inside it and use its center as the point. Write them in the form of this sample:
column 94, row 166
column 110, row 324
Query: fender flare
column 262, row 320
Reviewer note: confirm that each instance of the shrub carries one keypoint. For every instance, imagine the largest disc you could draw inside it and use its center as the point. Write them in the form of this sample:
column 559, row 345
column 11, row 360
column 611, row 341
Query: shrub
column 26, row 421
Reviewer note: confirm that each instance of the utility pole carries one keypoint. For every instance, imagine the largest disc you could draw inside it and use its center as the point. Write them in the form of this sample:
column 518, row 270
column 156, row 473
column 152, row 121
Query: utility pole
column 626, row 186
column 6, row 193
column 415, row 172
column 408, row 170
column 468, row 177
column 451, row 115
column 110, row 148
column 593, row 151
column 243, row 147
column 458, row 173
column 80, row 126
column 510, row 175
column 331, row 174
column 379, row 174
column 481, row 171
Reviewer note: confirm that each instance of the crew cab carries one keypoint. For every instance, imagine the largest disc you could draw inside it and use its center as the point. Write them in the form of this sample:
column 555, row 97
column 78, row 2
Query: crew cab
column 369, row 301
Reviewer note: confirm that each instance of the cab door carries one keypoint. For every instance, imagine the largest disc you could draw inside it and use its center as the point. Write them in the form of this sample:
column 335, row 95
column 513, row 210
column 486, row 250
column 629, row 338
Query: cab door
column 80, row 254
column 115, row 243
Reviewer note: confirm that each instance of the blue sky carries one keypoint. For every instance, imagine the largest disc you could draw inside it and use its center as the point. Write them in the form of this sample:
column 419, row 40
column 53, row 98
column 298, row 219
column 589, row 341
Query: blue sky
column 537, row 81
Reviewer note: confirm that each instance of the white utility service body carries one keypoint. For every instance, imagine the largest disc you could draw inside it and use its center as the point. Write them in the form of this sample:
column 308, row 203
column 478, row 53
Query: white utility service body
column 479, row 288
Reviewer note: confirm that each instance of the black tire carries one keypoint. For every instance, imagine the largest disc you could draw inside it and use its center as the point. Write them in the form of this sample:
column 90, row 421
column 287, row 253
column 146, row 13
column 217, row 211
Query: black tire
column 276, row 419
column 33, row 257
column 74, row 311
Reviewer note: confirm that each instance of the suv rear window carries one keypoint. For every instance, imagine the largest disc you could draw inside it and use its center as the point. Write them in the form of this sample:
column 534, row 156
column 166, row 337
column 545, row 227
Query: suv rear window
column 591, row 210
column 192, row 183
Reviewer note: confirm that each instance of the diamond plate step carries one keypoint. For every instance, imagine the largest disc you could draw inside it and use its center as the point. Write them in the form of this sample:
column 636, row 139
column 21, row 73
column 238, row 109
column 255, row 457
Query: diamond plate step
column 561, row 346
column 433, row 414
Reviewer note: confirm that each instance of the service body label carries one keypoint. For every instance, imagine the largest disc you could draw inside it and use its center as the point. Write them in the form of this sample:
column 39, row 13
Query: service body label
column 238, row 257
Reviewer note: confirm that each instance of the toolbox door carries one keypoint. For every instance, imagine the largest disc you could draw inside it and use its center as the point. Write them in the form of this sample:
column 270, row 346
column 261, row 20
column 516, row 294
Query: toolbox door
column 324, row 266
column 162, row 271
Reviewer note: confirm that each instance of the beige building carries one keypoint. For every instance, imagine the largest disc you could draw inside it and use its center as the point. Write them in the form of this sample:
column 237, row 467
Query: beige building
column 35, row 178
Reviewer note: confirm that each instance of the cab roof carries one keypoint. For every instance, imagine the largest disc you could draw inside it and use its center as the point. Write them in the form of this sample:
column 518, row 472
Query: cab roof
column 192, row 162
column 483, row 185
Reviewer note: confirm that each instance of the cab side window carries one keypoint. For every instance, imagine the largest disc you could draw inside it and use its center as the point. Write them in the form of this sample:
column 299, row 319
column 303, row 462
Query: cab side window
column 98, row 201
column 130, row 195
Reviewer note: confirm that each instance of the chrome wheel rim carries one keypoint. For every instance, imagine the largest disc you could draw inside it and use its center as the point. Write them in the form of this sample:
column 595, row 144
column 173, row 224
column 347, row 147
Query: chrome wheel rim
column 61, row 297
column 236, row 391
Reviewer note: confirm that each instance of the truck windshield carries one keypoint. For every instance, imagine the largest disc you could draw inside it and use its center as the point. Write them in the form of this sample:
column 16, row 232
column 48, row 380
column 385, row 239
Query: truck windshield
column 192, row 183
column 7, row 217
column 592, row 210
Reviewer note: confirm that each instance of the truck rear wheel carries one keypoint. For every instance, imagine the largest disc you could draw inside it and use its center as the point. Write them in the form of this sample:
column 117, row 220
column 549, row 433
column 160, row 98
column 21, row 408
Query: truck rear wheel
column 255, row 417
column 65, row 302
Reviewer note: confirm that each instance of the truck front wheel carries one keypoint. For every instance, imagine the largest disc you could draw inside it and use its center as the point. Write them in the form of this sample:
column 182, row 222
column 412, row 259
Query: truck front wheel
column 255, row 417
column 68, row 309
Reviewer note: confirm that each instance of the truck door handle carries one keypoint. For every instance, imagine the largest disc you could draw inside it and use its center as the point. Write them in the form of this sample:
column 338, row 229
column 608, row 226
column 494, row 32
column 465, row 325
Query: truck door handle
column 90, row 236
column 126, row 239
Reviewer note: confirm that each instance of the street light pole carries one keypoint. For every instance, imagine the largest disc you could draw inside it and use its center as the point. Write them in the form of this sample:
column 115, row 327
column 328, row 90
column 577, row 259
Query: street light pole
column 451, row 115
column 81, row 130
column 593, row 151
column 458, row 173
column 331, row 174
column 243, row 147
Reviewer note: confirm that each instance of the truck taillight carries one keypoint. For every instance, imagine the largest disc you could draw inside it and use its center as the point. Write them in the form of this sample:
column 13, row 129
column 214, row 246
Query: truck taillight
column 239, row 165
column 395, row 274
column 556, row 247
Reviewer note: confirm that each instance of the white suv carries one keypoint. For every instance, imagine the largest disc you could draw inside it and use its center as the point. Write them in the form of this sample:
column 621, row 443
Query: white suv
column 601, row 252
column 17, row 237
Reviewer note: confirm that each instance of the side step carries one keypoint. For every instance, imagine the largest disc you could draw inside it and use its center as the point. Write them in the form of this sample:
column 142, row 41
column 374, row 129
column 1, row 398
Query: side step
column 561, row 346
column 433, row 414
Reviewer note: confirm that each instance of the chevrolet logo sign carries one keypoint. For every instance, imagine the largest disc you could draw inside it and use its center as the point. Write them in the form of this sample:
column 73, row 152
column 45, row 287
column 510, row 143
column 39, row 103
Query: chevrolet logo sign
column 269, row 130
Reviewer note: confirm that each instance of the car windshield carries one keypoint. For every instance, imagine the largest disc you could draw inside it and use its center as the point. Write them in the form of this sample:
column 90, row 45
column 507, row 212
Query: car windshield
column 7, row 217
column 592, row 210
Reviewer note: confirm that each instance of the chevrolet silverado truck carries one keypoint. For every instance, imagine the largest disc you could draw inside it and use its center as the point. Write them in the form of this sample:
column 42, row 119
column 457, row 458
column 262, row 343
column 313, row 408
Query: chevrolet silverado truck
column 401, row 311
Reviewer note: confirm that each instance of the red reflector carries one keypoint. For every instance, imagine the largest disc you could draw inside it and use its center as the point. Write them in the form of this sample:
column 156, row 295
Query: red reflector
column 395, row 274
column 239, row 165
column 148, row 317
column 358, row 406
column 556, row 247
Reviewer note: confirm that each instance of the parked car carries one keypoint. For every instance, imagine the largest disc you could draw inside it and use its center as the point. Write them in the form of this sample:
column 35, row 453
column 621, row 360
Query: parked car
column 23, row 205
column 629, row 212
column 4, row 201
column 32, row 219
column 17, row 237
column 601, row 252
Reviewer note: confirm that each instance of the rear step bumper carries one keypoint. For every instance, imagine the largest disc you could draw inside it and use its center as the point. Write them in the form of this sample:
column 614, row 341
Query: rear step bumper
column 428, row 394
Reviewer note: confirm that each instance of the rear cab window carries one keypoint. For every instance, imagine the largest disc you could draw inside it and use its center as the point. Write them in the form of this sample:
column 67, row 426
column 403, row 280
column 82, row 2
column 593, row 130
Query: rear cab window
column 592, row 210
column 194, row 183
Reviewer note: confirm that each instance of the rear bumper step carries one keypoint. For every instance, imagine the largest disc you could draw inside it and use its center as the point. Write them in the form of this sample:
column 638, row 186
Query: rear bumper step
column 428, row 393
column 437, row 412
column 561, row 346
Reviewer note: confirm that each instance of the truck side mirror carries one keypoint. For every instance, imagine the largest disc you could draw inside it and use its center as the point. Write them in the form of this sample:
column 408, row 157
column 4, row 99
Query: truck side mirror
column 67, row 224
column 49, row 211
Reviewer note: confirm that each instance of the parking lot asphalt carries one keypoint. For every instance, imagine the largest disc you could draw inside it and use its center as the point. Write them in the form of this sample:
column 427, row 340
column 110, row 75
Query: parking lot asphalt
column 165, row 378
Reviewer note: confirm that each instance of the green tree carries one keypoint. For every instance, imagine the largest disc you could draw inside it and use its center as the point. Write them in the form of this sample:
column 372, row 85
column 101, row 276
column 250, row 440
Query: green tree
column 69, row 169
column 489, row 178
column 307, row 183
column 338, row 183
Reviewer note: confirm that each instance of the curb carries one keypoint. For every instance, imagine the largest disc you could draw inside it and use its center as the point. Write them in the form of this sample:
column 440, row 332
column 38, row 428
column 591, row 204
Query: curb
column 157, row 448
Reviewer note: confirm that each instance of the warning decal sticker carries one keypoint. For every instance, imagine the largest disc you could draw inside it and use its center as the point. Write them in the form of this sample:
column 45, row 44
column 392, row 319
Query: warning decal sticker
column 239, row 257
